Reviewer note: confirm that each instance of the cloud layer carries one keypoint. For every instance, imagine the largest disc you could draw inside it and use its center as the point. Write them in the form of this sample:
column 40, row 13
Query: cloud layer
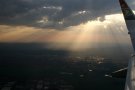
column 55, row 13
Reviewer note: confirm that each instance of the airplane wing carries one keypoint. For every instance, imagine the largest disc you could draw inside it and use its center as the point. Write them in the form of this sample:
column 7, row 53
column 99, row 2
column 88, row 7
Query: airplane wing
column 119, row 73
column 130, row 23
column 130, row 80
column 129, row 19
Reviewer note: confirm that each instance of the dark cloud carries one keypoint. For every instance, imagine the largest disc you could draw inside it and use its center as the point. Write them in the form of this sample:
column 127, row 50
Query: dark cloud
column 55, row 13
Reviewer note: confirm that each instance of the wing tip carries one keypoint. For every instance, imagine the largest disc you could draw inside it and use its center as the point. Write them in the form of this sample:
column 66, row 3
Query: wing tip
column 123, row 4
column 127, row 12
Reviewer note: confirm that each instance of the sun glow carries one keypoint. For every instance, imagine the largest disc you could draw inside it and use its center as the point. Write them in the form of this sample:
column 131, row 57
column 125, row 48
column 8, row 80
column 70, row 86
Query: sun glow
column 83, row 36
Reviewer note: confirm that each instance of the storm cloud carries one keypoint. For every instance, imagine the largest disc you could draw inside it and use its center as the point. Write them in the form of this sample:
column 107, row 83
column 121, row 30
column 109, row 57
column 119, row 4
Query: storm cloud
column 55, row 13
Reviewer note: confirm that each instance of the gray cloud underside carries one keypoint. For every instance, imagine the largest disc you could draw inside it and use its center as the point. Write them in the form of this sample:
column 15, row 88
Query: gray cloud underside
column 59, row 13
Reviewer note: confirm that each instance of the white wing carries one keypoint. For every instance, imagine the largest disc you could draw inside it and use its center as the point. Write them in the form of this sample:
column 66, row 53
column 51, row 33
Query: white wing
column 130, row 22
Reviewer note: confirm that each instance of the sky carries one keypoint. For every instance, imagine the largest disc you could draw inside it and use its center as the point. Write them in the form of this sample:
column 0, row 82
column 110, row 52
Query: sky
column 63, row 24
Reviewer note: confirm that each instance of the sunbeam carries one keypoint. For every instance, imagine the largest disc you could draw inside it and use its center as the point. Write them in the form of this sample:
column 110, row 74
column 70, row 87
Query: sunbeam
column 87, row 35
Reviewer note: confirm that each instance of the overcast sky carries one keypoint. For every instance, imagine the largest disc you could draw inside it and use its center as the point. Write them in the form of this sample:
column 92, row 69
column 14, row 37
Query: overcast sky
column 56, row 13
column 64, row 24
